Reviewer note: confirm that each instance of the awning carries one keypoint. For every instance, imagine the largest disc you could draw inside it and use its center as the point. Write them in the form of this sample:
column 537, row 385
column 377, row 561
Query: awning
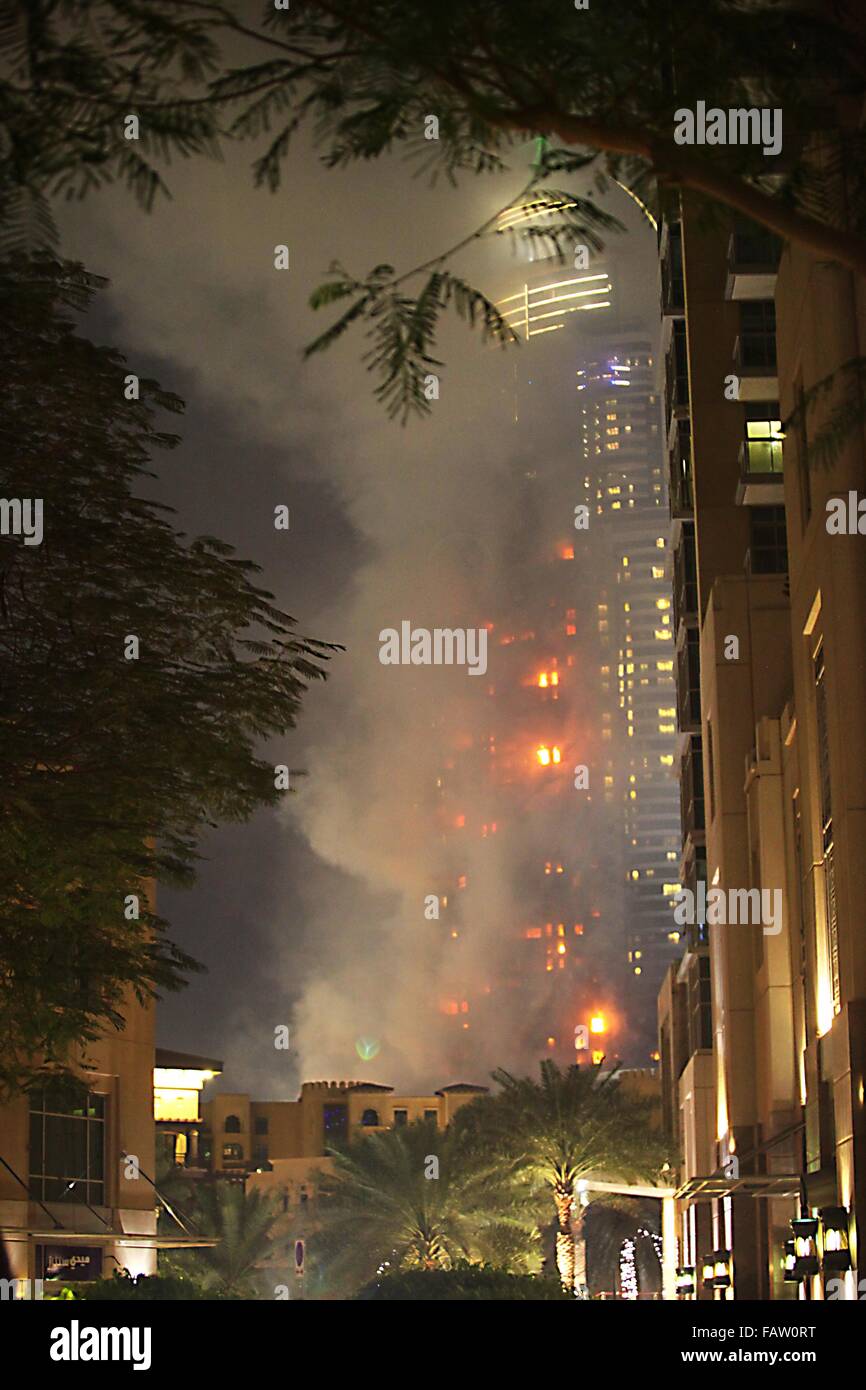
column 137, row 1241
column 750, row 1185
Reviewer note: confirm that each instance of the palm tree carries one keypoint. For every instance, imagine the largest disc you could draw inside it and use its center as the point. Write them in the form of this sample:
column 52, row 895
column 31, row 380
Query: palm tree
column 243, row 1221
column 545, row 1135
column 404, row 1198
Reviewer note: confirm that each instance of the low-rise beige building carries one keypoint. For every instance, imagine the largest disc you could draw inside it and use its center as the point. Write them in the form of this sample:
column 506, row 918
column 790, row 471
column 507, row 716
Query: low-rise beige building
column 76, row 1180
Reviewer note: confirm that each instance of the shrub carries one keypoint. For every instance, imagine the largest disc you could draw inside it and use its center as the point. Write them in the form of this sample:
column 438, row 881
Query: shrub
column 463, row 1282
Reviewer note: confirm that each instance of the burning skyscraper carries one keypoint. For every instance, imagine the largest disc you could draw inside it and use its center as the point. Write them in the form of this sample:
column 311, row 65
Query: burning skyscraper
column 574, row 763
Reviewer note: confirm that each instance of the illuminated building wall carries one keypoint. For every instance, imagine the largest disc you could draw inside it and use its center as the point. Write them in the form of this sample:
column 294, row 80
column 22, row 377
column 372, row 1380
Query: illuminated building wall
column 624, row 485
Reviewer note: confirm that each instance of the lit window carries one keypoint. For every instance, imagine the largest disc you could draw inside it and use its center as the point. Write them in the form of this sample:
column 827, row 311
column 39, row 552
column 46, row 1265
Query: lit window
column 660, row 543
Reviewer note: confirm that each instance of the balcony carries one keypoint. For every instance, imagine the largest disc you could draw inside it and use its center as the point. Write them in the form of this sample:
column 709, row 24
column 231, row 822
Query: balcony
column 676, row 376
column 689, row 680
column 753, row 263
column 681, row 502
column 761, row 481
column 685, row 588
column 673, row 282
column 692, row 803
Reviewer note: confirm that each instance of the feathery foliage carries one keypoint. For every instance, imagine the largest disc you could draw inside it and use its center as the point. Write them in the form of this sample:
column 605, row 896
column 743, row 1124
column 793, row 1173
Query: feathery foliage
column 605, row 82
column 244, row 1222
column 379, row 1211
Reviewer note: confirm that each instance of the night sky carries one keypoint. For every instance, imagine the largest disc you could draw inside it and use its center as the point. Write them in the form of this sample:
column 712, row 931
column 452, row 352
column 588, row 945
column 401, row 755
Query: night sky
column 304, row 916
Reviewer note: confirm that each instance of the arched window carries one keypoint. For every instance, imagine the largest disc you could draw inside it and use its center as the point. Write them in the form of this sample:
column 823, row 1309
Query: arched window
column 232, row 1125
column 370, row 1118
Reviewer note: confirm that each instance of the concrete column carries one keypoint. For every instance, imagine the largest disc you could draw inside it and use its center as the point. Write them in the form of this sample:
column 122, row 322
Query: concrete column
column 670, row 1258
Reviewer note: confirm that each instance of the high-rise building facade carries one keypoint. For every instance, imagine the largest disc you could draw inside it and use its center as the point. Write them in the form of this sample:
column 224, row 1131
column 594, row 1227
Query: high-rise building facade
column 576, row 756
column 763, row 1021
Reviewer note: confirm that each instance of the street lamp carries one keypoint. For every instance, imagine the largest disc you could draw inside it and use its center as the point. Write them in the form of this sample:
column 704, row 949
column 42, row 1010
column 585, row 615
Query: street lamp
column 722, row 1269
column 789, row 1263
column 835, row 1252
column 708, row 1271
column 806, row 1262
column 685, row 1280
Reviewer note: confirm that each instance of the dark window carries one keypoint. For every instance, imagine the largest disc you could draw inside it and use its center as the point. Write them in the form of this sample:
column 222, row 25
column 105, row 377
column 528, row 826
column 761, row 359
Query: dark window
column 689, row 681
column 711, row 769
column 677, row 371
column 700, row 1005
column 692, row 787
column 801, row 434
column 232, row 1125
column 336, row 1123
column 260, row 1153
column 685, row 576
column 768, row 541
column 261, row 1124
column 681, row 468
column 824, row 785
column 401, row 1117
column 432, row 1115
column 67, row 1145
column 802, row 894
column 753, row 246
column 757, row 342
column 370, row 1118
column 673, row 287
column 233, row 1151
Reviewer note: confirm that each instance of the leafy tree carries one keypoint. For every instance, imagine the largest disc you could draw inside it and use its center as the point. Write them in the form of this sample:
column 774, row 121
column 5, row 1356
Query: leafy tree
column 547, row 1134
column 603, row 84
column 603, row 79
column 71, row 71
column 110, row 768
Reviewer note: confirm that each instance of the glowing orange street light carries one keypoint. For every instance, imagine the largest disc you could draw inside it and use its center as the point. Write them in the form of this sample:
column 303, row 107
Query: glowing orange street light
column 597, row 1024
column 543, row 756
